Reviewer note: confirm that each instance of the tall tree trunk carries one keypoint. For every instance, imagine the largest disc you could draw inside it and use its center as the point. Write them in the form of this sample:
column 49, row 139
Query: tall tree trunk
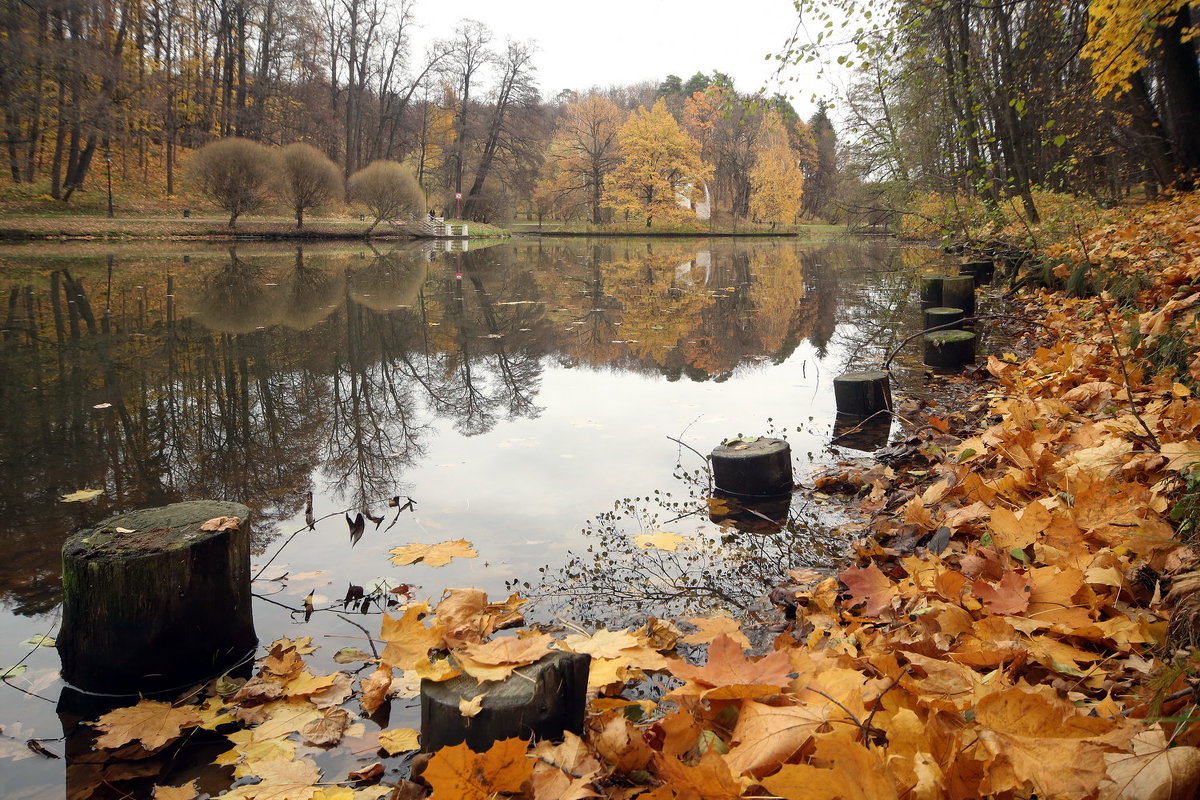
column 1181, row 94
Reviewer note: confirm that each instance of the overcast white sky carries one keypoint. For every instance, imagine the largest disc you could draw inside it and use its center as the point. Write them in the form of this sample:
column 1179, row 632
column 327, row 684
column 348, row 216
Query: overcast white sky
column 606, row 42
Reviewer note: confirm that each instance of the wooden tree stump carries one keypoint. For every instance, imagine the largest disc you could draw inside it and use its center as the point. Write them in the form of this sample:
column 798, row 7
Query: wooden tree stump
column 949, row 349
column 958, row 291
column 152, row 602
column 541, row 700
column 859, row 434
column 861, row 394
column 755, row 467
column 981, row 271
column 942, row 315
column 931, row 289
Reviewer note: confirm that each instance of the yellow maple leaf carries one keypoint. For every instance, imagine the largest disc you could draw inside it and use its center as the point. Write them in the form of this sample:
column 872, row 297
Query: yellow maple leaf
column 186, row 792
column 399, row 740
column 435, row 555
column 659, row 540
column 82, row 496
column 150, row 722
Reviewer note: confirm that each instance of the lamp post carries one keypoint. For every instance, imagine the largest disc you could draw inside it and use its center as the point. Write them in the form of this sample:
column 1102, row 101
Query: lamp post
column 108, row 173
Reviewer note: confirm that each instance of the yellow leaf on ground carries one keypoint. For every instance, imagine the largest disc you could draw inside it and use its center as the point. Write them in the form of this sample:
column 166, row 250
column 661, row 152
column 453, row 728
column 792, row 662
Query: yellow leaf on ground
column 186, row 792
column 768, row 736
column 1153, row 771
column 856, row 774
column 435, row 555
column 712, row 627
column 497, row 659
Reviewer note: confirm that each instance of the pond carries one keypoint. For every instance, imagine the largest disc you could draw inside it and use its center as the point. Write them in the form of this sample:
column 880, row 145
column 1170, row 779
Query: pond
column 546, row 400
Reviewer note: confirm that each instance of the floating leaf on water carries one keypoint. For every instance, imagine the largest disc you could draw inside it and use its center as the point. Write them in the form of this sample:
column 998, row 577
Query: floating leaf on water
column 40, row 641
column 102, row 405
column 348, row 655
column 13, row 672
column 659, row 540
column 82, row 496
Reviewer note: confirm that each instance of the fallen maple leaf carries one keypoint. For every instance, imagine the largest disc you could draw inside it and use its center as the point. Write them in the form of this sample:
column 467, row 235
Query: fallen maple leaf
column 768, row 736
column 470, row 708
column 712, row 627
column 659, row 540
column 435, row 555
column 399, row 740
column 150, row 722
column 855, row 773
column 327, row 729
column 82, row 496
column 186, row 792
column 870, row 587
column 221, row 524
column 461, row 773
column 1153, row 771
column 728, row 669
column 497, row 659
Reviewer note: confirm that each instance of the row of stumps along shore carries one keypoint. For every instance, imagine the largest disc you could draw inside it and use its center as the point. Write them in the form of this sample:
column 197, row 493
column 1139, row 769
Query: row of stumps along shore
column 948, row 311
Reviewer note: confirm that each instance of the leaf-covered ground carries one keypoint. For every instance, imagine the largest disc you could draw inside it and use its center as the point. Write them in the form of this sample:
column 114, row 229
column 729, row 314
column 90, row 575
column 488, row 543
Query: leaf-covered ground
column 1019, row 623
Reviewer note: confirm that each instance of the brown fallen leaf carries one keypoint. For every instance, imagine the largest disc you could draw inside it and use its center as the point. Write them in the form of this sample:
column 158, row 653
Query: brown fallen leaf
column 150, row 722
column 327, row 729
column 221, row 524
column 463, row 774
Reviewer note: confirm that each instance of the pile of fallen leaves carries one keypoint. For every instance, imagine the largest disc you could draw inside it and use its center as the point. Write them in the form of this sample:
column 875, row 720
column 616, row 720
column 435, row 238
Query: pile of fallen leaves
column 1017, row 624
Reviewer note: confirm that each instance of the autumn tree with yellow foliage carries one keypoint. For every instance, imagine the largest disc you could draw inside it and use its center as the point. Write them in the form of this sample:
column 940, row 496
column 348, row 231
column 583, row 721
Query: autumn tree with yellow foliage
column 660, row 166
column 581, row 156
column 777, row 184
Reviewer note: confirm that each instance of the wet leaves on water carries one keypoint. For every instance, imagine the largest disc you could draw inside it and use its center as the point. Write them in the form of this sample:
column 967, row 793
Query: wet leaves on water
column 82, row 495
column 435, row 555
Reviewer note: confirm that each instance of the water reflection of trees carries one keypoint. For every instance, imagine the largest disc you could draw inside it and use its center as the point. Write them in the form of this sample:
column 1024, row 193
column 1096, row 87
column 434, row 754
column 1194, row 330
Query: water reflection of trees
column 241, row 377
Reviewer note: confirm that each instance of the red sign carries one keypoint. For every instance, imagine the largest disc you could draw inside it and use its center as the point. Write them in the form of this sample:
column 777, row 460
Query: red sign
column 458, row 195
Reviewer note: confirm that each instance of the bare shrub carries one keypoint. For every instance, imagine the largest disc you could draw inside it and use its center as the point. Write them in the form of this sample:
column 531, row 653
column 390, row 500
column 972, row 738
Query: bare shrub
column 235, row 174
column 307, row 178
column 388, row 190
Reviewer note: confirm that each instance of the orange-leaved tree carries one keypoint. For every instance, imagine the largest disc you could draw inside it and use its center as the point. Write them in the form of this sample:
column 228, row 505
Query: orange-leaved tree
column 582, row 155
column 660, row 167
column 776, row 181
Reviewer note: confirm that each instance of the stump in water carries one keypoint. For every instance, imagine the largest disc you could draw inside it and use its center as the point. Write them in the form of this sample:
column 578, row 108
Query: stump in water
column 752, row 467
column 540, row 701
column 861, row 394
column 942, row 315
column 959, row 292
column 931, row 289
column 949, row 349
column 981, row 271
column 152, row 602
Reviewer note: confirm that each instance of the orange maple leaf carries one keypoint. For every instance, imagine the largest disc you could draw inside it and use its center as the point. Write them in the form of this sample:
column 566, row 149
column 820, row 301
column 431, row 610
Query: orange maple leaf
column 870, row 587
column 150, row 722
column 461, row 773
column 728, row 667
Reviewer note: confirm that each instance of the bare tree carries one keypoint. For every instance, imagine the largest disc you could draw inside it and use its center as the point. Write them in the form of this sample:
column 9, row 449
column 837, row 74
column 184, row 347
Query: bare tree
column 235, row 174
column 307, row 178
column 388, row 190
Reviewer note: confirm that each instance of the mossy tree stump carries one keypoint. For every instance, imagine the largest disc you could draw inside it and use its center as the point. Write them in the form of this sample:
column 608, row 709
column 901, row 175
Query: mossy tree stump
column 949, row 349
column 152, row 602
column 958, row 291
column 942, row 315
column 861, row 394
column 752, row 467
column 931, row 289
column 540, row 700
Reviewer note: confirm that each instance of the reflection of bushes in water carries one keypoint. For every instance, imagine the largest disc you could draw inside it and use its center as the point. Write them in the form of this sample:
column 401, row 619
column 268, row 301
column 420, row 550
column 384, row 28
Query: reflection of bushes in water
column 614, row 581
column 392, row 280
column 235, row 299
column 311, row 293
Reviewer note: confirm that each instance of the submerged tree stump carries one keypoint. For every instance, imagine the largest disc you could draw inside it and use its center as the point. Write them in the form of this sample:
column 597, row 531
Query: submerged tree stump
column 949, row 349
column 152, row 602
column 753, row 467
column 861, row 394
column 761, row 515
column 931, row 289
column 942, row 315
column 541, row 700
column 958, row 291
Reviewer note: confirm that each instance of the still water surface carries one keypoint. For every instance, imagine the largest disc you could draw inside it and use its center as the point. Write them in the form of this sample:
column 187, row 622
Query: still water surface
column 530, row 397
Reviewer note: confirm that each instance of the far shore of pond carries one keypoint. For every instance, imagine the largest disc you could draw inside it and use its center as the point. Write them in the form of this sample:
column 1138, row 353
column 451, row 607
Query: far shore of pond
column 55, row 227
